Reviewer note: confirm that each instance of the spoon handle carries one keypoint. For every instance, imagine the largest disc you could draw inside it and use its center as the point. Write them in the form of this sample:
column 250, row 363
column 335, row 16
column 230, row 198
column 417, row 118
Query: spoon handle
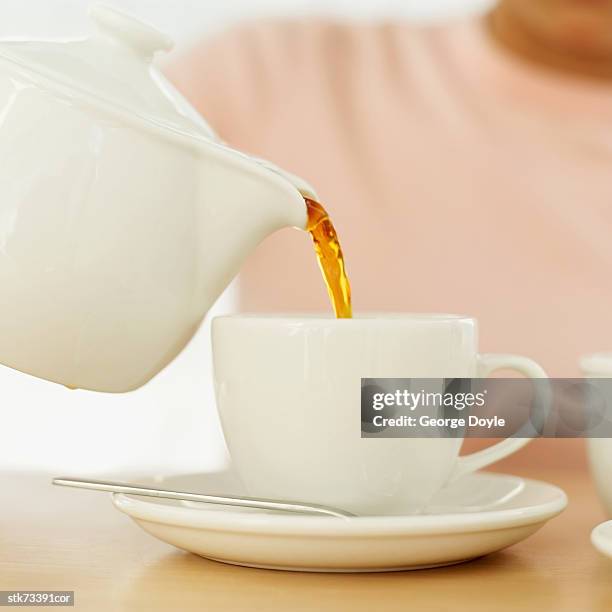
column 247, row 502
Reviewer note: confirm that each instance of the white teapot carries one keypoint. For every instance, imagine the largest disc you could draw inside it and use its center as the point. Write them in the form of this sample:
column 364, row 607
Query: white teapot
column 122, row 217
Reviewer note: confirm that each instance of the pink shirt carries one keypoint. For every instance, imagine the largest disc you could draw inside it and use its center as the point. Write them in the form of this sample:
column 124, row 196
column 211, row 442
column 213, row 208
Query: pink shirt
column 460, row 179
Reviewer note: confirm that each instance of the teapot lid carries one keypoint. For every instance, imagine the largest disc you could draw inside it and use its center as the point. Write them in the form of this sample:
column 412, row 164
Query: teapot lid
column 114, row 66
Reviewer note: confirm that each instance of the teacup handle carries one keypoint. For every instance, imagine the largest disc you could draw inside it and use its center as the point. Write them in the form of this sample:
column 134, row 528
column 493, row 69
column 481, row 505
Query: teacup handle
column 488, row 363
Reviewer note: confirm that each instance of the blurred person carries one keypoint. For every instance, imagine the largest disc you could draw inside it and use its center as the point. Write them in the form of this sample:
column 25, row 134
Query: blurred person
column 467, row 166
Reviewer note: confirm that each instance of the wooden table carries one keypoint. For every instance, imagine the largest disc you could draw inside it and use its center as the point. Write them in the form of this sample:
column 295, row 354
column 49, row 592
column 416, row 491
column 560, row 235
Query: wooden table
column 62, row 539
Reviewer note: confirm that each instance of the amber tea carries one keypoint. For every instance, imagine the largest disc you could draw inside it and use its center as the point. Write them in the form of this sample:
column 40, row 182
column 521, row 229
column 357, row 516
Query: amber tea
column 331, row 260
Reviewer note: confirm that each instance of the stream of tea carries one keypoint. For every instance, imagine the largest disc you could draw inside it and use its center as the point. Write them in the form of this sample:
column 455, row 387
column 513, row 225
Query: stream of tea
column 331, row 260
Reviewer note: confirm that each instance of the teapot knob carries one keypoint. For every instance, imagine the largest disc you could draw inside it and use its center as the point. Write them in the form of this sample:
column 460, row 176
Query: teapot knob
column 141, row 37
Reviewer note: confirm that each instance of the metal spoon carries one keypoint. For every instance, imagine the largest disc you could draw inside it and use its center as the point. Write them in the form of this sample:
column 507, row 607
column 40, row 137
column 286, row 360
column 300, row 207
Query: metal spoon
column 247, row 502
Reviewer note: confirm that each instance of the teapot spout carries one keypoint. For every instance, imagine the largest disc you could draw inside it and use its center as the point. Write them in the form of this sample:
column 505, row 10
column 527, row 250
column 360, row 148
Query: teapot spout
column 300, row 184
column 241, row 201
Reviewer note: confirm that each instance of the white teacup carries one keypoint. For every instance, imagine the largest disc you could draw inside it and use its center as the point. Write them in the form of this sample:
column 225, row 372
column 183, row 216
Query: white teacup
column 599, row 365
column 288, row 391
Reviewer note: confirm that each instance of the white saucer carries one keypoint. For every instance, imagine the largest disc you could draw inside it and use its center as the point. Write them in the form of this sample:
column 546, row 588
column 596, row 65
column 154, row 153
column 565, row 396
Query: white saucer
column 601, row 537
column 479, row 514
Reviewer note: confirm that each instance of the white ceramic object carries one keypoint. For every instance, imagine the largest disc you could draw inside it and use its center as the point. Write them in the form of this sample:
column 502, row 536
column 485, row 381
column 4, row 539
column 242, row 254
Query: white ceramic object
column 477, row 515
column 599, row 365
column 601, row 537
column 122, row 217
column 288, row 393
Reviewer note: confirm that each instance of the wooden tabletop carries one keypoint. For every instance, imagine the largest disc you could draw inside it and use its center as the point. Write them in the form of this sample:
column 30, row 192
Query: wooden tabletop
column 53, row 538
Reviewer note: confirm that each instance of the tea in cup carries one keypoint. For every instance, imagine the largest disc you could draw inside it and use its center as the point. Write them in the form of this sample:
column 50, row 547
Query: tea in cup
column 288, row 392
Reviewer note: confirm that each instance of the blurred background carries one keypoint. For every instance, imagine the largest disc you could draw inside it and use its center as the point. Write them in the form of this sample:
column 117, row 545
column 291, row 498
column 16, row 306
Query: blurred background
column 188, row 20
column 171, row 423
